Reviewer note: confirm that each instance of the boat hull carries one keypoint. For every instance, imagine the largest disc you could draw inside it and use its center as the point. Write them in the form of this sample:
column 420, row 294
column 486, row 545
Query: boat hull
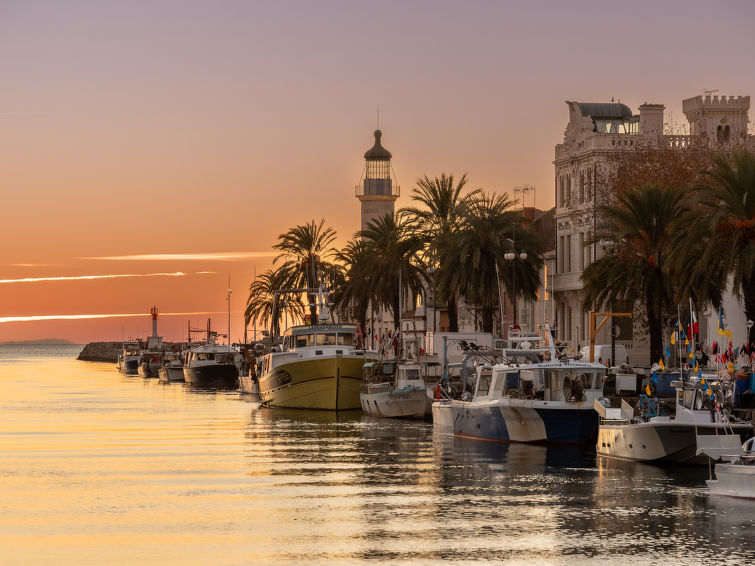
column 169, row 373
column 409, row 402
column 535, row 422
column 216, row 376
column 665, row 442
column 734, row 480
column 148, row 369
column 330, row 383
column 443, row 416
column 130, row 366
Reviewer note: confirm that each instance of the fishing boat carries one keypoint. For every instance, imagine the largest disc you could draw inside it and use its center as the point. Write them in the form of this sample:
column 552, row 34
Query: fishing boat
column 735, row 473
column 526, row 399
column 172, row 368
column 391, row 389
column 128, row 359
column 700, row 407
column 319, row 366
column 150, row 362
column 213, row 365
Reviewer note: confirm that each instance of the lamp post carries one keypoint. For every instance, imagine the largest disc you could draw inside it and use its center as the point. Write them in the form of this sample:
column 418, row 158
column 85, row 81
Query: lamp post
column 512, row 257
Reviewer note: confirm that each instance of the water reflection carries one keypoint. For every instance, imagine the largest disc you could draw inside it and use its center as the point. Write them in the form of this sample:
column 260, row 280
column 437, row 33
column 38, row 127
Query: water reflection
column 97, row 465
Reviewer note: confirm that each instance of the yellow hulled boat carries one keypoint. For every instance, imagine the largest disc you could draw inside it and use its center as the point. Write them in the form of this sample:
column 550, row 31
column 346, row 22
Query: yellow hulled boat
column 319, row 367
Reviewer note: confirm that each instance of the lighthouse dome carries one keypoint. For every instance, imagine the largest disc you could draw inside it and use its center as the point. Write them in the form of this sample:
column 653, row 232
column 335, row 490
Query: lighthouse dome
column 377, row 152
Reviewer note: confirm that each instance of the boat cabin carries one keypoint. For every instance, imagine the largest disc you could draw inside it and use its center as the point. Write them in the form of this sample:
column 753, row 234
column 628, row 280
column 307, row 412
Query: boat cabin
column 555, row 381
column 320, row 335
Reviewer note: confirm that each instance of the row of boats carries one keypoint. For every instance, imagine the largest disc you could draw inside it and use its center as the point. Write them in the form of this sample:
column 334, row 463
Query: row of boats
column 530, row 395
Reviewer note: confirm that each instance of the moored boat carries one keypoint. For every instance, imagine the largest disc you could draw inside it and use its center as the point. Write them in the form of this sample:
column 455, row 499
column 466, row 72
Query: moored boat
column 399, row 392
column 699, row 408
column 735, row 474
column 527, row 399
column 212, row 365
column 318, row 367
column 172, row 368
column 128, row 360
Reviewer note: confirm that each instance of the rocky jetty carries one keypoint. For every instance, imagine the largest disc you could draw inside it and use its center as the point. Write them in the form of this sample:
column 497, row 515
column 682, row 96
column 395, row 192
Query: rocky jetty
column 101, row 352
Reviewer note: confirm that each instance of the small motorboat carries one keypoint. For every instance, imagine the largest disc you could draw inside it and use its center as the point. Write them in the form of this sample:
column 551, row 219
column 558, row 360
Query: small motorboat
column 735, row 473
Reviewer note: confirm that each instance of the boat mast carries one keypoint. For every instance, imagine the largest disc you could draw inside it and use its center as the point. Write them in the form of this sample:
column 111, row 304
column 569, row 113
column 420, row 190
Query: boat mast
column 228, row 298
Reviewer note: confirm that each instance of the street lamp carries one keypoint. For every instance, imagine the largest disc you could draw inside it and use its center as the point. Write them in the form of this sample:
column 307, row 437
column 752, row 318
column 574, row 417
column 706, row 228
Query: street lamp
column 512, row 256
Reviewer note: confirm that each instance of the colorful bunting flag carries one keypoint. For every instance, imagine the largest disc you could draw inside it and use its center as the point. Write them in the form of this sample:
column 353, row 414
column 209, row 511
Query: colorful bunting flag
column 722, row 323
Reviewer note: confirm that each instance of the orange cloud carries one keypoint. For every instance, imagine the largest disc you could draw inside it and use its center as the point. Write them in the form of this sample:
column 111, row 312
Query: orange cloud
column 4, row 319
column 189, row 256
column 89, row 277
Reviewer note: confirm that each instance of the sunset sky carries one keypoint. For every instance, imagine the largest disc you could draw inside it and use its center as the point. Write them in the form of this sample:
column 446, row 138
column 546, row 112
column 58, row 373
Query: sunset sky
column 149, row 148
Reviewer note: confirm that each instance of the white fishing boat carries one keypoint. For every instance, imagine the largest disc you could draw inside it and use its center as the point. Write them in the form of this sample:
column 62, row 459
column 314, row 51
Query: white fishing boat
column 671, row 438
column 735, row 473
column 395, row 390
column 128, row 359
column 527, row 399
column 318, row 367
column 213, row 365
column 172, row 368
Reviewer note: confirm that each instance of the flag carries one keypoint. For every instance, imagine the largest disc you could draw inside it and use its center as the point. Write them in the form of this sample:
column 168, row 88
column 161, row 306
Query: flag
column 661, row 364
column 668, row 352
column 673, row 337
column 647, row 390
column 722, row 323
column 693, row 327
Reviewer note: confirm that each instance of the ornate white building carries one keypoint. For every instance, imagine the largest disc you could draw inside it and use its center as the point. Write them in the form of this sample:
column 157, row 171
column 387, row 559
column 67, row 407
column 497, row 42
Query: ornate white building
column 595, row 133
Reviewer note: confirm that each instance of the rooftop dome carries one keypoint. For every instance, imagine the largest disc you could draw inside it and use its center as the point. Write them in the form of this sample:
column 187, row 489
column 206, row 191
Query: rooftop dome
column 604, row 110
column 377, row 152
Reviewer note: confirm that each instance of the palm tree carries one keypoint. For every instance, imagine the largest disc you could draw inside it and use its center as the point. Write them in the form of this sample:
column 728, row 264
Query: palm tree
column 725, row 226
column 353, row 288
column 637, row 232
column 307, row 255
column 474, row 259
column 439, row 223
column 395, row 265
column 263, row 303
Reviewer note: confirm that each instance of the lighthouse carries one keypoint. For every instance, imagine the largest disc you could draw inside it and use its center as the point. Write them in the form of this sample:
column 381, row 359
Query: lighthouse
column 378, row 191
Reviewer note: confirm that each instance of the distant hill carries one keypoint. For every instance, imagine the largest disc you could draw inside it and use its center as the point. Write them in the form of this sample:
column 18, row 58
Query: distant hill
column 44, row 341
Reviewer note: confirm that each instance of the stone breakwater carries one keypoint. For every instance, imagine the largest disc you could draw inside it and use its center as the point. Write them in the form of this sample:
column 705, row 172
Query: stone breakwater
column 101, row 352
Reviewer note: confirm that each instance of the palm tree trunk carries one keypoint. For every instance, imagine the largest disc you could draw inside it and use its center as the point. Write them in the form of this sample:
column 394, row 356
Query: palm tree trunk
column 487, row 318
column 453, row 315
column 749, row 300
column 656, row 332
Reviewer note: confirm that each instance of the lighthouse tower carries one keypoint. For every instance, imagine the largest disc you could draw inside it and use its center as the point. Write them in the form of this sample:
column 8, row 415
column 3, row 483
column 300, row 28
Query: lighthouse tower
column 378, row 191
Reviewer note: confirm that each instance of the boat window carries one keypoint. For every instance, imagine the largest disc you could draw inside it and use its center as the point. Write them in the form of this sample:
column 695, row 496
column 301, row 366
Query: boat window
column 499, row 384
column 345, row 339
column 483, row 384
column 412, row 374
column 304, row 340
column 326, row 339
column 512, row 380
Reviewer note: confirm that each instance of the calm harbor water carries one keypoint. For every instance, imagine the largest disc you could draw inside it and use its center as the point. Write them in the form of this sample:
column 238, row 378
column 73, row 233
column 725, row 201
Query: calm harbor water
column 101, row 468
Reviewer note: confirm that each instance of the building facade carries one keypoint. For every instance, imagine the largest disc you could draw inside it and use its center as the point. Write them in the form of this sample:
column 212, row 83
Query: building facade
column 596, row 134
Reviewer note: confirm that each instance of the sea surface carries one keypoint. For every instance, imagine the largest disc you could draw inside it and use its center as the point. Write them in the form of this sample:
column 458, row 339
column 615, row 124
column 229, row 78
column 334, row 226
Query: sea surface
column 101, row 468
